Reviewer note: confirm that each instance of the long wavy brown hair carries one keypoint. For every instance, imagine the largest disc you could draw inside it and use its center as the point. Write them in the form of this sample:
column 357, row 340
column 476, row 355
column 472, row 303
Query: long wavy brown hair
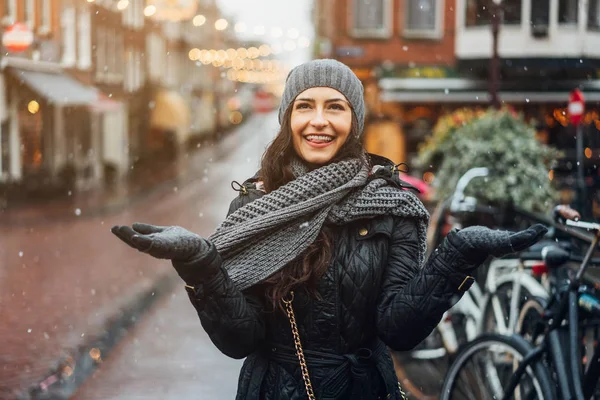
column 276, row 170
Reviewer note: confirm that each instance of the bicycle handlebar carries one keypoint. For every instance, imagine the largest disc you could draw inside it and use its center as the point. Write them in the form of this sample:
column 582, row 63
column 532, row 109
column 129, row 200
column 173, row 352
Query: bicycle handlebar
column 584, row 225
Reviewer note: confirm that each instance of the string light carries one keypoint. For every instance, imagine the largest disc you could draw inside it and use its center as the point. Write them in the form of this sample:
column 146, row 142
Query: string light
column 150, row 10
column 199, row 20
column 240, row 27
column 194, row 54
column 231, row 54
column 253, row 52
column 122, row 4
column 264, row 50
column 238, row 63
column 221, row 24
column 243, row 65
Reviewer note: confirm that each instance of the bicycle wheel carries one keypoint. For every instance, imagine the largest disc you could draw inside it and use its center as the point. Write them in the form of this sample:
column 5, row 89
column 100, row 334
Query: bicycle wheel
column 421, row 371
column 483, row 368
column 496, row 314
column 530, row 316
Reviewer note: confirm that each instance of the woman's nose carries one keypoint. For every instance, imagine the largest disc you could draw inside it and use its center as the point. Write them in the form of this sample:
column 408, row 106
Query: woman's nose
column 319, row 120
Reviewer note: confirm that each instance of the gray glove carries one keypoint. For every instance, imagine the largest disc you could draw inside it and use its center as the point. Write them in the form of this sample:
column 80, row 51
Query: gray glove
column 166, row 242
column 477, row 243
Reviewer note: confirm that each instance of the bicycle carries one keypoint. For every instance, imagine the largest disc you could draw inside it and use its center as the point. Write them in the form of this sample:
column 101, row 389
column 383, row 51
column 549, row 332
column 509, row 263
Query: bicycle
column 507, row 286
column 465, row 320
column 503, row 367
column 459, row 325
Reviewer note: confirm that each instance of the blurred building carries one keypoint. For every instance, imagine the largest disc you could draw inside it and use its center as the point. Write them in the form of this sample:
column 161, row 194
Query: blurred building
column 421, row 58
column 104, row 86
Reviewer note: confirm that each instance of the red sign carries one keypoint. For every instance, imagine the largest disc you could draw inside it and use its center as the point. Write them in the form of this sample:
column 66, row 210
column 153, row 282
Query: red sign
column 576, row 106
column 17, row 37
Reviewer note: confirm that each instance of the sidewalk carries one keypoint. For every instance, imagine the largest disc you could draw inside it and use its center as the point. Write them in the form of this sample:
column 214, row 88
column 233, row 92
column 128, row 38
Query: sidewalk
column 139, row 184
column 68, row 291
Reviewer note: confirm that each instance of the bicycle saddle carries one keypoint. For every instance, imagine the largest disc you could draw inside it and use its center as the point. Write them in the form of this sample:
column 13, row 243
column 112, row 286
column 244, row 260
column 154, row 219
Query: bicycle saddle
column 554, row 256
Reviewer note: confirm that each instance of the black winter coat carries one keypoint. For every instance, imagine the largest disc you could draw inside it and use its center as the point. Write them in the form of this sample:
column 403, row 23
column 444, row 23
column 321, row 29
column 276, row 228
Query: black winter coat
column 374, row 296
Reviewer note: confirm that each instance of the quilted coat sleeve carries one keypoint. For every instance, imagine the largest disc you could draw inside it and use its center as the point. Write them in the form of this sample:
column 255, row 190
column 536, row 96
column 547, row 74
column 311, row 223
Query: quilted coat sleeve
column 232, row 319
column 413, row 299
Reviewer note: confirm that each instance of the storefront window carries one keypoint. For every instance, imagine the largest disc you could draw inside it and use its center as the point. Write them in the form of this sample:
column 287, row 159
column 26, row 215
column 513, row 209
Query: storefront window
column 30, row 124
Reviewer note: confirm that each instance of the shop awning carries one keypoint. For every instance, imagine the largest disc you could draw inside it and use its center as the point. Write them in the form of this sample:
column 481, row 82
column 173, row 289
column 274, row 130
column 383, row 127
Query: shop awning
column 57, row 87
column 458, row 90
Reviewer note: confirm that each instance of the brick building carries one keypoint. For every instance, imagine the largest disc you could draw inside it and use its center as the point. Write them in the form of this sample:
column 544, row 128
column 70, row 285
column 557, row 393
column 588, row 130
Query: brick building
column 421, row 58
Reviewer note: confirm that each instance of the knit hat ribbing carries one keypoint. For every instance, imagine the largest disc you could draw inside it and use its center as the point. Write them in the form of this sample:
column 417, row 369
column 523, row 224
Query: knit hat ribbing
column 325, row 73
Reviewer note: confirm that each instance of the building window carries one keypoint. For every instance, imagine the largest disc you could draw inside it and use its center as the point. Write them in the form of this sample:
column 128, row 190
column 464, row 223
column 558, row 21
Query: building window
column 567, row 11
column 85, row 39
column 100, row 52
column 424, row 18
column 594, row 15
column 478, row 12
column 128, row 82
column 45, row 17
column 138, row 69
column 111, row 55
column 69, row 37
column 371, row 18
column 139, row 13
column 155, row 61
column 540, row 16
column 30, row 13
column 10, row 10
column 119, row 56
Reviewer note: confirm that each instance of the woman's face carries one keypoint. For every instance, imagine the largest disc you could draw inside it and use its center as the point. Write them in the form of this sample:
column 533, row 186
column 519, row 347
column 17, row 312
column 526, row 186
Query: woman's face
column 321, row 121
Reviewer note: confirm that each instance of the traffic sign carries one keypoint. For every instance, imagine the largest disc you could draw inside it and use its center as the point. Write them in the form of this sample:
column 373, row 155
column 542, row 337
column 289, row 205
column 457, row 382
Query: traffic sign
column 17, row 37
column 576, row 107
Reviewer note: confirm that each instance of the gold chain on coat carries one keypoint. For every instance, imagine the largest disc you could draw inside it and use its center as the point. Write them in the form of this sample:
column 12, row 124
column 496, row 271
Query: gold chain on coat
column 299, row 352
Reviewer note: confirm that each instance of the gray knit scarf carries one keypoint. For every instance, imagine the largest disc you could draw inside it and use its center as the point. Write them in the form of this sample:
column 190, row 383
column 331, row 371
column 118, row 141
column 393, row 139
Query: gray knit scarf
column 266, row 234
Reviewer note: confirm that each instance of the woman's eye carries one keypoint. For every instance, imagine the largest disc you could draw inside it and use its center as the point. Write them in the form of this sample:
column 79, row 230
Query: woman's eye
column 302, row 105
column 337, row 107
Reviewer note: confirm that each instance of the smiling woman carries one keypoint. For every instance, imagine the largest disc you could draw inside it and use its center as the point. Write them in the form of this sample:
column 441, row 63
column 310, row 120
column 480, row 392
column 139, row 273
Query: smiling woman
column 320, row 267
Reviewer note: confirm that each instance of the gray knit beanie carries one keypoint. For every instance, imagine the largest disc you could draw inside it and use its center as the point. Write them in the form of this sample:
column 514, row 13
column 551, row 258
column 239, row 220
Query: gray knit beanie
column 325, row 73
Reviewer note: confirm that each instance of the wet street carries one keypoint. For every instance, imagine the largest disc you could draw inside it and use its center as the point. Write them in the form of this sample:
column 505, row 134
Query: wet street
column 60, row 281
column 168, row 355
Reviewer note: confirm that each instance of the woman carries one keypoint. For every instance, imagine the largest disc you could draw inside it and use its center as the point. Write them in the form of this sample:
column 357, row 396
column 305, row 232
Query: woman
column 319, row 266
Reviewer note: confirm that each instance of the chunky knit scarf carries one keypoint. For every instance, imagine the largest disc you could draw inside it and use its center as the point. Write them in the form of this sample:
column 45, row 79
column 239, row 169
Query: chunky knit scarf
column 266, row 234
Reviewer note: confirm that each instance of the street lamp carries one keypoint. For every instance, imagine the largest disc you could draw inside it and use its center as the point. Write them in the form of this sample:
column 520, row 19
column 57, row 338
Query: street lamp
column 495, row 14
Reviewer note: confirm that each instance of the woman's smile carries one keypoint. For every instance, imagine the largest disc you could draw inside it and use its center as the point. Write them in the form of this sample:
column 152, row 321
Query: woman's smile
column 319, row 141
